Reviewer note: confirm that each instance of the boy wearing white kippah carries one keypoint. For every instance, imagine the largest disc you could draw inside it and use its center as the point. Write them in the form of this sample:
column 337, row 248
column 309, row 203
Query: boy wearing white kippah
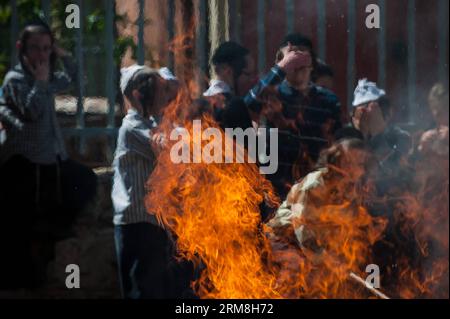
column 141, row 243
column 371, row 115
column 392, row 176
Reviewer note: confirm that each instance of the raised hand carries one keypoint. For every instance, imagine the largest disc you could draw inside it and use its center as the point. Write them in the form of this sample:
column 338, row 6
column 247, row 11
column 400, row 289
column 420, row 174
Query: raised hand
column 294, row 59
column 158, row 141
column 361, row 120
column 376, row 122
column 40, row 71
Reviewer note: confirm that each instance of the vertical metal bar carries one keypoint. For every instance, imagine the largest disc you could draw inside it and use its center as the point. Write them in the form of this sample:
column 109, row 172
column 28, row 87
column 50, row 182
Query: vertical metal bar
column 322, row 28
column 412, row 103
column 80, row 81
column 171, row 30
column 110, row 66
column 261, row 30
column 382, row 45
column 46, row 8
column 219, row 26
column 351, row 25
column 200, row 46
column 14, row 31
column 238, row 22
column 232, row 18
column 235, row 20
column 290, row 8
column 443, row 39
column 91, row 60
column 141, row 25
column 110, row 71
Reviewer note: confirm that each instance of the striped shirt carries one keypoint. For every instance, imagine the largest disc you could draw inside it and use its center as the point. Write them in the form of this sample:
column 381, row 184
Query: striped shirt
column 40, row 140
column 133, row 163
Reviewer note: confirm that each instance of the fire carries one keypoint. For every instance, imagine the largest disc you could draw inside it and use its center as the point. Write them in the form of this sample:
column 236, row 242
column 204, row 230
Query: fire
column 343, row 236
column 213, row 210
column 424, row 273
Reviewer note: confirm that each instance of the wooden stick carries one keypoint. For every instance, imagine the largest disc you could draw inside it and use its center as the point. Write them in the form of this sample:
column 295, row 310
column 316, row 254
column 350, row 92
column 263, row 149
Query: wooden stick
column 368, row 286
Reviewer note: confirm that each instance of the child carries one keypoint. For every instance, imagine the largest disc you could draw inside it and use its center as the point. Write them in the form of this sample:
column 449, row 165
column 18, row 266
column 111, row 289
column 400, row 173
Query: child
column 141, row 243
column 42, row 190
column 436, row 140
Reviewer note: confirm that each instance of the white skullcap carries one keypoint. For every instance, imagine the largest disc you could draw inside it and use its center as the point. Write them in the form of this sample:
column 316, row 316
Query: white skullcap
column 166, row 74
column 126, row 74
column 367, row 92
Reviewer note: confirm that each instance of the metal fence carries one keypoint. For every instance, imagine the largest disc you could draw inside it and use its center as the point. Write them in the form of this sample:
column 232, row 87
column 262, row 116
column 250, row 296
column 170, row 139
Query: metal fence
column 201, row 15
column 110, row 130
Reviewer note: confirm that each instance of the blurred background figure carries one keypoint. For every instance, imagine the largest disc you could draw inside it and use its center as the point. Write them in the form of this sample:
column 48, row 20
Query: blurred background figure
column 436, row 139
column 309, row 116
column 142, row 245
column 42, row 190
column 323, row 75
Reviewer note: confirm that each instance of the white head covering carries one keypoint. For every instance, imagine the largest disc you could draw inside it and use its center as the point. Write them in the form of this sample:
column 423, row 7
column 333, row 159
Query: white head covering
column 127, row 74
column 166, row 74
column 367, row 91
column 217, row 87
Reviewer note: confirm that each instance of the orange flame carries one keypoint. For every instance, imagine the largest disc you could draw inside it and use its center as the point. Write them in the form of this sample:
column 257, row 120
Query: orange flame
column 214, row 212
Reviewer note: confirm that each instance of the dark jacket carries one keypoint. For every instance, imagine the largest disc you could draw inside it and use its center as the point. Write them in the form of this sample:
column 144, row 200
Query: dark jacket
column 312, row 113
column 392, row 176
column 317, row 116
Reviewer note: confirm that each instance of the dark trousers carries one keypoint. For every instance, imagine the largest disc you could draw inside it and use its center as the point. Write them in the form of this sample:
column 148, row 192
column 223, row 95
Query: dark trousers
column 148, row 266
column 143, row 259
column 38, row 204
